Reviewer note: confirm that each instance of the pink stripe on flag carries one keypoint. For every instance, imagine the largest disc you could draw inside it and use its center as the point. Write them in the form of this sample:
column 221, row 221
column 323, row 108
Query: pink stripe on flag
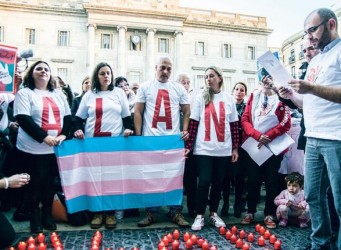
column 120, row 158
column 116, row 187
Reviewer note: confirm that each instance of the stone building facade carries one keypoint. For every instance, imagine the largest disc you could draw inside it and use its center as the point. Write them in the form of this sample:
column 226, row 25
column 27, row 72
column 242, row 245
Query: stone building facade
column 75, row 35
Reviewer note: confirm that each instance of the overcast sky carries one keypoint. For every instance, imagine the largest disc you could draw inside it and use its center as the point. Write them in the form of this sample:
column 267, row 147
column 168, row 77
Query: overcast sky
column 285, row 17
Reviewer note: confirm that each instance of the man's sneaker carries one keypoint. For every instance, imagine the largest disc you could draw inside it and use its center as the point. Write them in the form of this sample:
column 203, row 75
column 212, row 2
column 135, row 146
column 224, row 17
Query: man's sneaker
column 198, row 223
column 97, row 221
column 110, row 221
column 179, row 219
column 217, row 221
column 248, row 218
column 269, row 222
column 303, row 223
column 283, row 223
column 147, row 221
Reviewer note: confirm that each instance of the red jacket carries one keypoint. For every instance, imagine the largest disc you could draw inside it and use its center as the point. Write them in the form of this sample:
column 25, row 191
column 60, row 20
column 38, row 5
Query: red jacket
column 283, row 113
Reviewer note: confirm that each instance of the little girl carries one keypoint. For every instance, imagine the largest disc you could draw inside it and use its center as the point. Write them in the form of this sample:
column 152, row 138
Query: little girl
column 291, row 202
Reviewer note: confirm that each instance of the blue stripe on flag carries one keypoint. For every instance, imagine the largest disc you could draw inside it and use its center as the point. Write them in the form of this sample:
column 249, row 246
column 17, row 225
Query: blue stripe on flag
column 108, row 144
column 119, row 202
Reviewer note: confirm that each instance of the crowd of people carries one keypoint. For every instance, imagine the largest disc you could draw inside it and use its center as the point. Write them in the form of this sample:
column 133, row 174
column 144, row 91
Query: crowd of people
column 213, row 124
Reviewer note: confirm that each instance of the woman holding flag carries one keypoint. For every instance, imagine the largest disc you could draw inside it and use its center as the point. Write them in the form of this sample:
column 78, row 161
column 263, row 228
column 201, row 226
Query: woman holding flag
column 105, row 110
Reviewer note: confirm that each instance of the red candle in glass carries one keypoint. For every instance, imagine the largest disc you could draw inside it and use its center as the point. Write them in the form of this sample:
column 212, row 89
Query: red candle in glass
column 239, row 243
column 272, row 239
column 165, row 240
column 277, row 244
column 11, row 248
column 228, row 235
column 242, row 234
column 246, row 246
column 194, row 239
column 31, row 240
column 186, row 236
column 42, row 246
column 160, row 245
column 175, row 245
column 189, row 244
column 258, row 227
column 169, row 237
column 41, row 238
column 234, row 230
column 204, row 245
column 22, row 245
column 54, row 238
column 31, row 247
column 262, row 230
column 176, row 234
column 250, row 237
column 233, row 239
column 213, row 247
column 57, row 244
column 267, row 234
column 222, row 230
column 261, row 241
column 200, row 242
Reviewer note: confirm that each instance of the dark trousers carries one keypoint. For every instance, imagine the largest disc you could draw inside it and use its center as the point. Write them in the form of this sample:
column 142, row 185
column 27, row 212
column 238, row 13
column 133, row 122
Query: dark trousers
column 7, row 233
column 268, row 172
column 211, row 172
column 43, row 170
column 190, row 182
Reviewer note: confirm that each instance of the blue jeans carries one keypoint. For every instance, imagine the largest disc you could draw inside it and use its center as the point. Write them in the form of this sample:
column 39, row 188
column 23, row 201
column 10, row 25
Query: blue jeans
column 322, row 168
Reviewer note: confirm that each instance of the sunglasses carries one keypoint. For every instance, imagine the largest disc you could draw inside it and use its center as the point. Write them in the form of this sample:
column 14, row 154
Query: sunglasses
column 314, row 28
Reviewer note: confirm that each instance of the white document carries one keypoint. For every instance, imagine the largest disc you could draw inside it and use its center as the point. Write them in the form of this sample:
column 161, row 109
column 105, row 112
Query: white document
column 279, row 74
column 259, row 155
column 280, row 143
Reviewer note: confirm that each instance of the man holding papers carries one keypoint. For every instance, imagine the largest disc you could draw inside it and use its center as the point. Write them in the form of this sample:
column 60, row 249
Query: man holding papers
column 265, row 119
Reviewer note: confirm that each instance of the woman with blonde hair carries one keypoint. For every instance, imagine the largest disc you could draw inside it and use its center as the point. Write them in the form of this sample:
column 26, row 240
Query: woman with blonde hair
column 214, row 140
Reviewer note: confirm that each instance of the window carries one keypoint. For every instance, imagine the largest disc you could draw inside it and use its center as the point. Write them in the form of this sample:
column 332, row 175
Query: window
column 251, row 53
column 292, row 56
column 227, row 84
column 251, row 84
column 106, row 41
column 2, row 29
column 63, row 73
column 163, row 45
column 293, row 71
column 63, row 38
column 31, row 36
column 200, row 81
column 200, row 48
column 227, row 51
column 134, row 76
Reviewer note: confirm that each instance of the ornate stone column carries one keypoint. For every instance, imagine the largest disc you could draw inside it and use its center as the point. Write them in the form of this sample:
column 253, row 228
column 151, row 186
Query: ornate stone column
column 150, row 62
column 178, row 53
column 121, row 54
column 91, row 48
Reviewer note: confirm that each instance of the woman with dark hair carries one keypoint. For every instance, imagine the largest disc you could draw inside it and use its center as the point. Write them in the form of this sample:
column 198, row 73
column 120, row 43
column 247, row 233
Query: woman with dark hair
column 238, row 172
column 65, row 88
column 44, row 121
column 122, row 83
column 86, row 86
column 214, row 136
column 105, row 111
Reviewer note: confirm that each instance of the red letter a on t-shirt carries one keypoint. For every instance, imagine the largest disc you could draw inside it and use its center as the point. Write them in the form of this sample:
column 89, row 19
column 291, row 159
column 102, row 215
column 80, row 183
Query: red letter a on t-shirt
column 48, row 103
column 162, row 96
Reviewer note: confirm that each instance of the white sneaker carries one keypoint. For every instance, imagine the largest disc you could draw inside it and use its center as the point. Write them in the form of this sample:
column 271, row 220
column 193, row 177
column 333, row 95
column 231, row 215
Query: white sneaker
column 119, row 214
column 217, row 221
column 198, row 223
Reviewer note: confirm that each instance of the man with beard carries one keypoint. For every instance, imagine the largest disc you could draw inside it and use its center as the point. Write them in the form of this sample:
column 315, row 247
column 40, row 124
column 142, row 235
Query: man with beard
column 320, row 97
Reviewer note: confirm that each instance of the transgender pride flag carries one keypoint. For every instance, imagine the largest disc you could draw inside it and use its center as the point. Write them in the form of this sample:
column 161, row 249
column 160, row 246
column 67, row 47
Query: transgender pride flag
column 108, row 173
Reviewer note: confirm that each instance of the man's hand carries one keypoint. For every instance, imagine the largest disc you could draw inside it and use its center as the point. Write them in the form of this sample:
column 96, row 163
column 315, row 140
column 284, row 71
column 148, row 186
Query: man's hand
column 285, row 93
column 301, row 86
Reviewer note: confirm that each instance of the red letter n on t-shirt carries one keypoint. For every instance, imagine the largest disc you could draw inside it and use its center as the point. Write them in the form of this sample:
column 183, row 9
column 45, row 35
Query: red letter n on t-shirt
column 162, row 96
column 219, row 125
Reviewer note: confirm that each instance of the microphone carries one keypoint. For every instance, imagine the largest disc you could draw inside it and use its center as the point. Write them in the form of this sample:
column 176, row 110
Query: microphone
column 27, row 53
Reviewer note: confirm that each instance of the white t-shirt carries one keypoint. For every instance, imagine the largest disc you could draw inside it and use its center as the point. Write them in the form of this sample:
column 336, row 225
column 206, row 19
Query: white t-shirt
column 266, row 118
column 214, row 135
column 162, row 101
column 103, row 112
column 47, row 109
column 5, row 99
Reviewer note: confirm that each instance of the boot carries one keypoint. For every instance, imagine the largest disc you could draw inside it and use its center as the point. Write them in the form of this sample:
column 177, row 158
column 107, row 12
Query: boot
column 225, row 209
column 237, row 210
column 48, row 222
column 35, row 222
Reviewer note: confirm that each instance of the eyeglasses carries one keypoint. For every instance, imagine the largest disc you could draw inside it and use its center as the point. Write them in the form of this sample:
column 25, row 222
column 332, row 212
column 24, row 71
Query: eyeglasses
column 314, row 28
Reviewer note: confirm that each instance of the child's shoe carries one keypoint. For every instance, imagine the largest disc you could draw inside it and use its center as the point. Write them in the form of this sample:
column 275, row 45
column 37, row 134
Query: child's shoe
column 283, row 223
column 303, row 223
